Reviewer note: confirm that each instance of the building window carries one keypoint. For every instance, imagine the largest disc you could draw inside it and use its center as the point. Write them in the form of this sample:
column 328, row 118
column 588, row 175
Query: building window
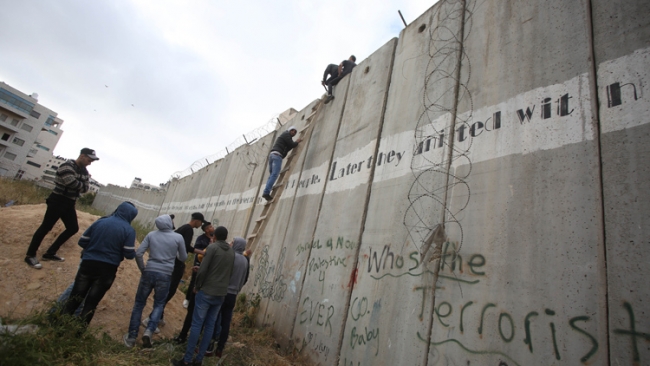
column 3, row 117
column 53, row 132
column 16, row 101
column 33, row 164
column 20, row 173
column 50, row 121
column 55, row 167
column 35, row 114
column 27, row 127
column 43, row 147
column 5, row 137
column 49, row 172
column 10, row 156
column 15, row 122
column 19, row 142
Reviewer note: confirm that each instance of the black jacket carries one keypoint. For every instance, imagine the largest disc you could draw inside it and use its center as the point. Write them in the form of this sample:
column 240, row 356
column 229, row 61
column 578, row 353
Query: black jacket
column 284, row 144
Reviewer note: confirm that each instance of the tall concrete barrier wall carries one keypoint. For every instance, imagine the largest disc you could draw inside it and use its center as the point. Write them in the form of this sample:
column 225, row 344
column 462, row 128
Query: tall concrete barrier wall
column 147, row 203
column 474, row 195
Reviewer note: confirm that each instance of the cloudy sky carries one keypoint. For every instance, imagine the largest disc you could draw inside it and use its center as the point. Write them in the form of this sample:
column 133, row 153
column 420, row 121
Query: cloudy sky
column 154, row 85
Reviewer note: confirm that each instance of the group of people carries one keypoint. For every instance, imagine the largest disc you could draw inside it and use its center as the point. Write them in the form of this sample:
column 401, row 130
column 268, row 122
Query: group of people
column 219, row 272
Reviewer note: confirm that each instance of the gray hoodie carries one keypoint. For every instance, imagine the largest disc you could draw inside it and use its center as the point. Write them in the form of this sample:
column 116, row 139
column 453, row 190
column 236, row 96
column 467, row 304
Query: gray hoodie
column 240, row 268
column 164, row 245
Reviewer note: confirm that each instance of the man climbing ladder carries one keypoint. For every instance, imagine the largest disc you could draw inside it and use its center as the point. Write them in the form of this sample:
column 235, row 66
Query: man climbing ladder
column 283, row 144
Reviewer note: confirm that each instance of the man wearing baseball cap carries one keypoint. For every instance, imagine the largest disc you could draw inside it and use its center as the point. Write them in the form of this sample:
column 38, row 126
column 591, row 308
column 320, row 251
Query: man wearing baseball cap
column 72, row 179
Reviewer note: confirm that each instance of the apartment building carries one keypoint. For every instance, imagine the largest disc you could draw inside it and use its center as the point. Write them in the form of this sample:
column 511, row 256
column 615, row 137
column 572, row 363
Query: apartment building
column 137, row 184
column 29, row 133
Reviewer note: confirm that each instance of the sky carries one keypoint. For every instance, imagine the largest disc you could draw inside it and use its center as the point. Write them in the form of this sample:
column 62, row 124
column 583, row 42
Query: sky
column 155, row 85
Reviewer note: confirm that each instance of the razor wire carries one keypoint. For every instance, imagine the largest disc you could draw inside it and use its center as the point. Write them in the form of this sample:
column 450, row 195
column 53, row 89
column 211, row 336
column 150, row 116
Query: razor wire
column 246, row 139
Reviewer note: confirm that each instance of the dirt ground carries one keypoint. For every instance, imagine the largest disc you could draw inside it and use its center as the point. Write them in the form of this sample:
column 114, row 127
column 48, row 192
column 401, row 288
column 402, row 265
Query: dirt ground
column 24, row 289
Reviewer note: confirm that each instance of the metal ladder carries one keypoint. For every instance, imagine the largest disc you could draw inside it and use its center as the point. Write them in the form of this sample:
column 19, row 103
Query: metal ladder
column 285, row 173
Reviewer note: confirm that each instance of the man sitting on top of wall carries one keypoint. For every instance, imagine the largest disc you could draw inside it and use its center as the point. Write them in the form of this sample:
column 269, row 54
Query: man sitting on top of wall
column 345, row 68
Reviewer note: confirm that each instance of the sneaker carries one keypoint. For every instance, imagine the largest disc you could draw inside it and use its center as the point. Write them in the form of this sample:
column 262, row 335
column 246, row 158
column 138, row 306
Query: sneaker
column 52, row 257
column 33, row 262
column 146, row 339
column 267, row 197
column 329, row 99
column 179, row 340
column 218, row 352
column 145, row 322
column 129, row 342
column 186, row 303
column 210, row 351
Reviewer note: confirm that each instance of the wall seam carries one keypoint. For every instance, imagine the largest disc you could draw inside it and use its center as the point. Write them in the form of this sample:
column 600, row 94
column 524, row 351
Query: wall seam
column 454, row 115
column 320, row 205
column 595, row 106
column 371, row 177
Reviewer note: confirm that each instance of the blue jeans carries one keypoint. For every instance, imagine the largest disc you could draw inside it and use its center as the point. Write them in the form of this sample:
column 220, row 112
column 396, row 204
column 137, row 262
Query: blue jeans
column 159, row 283
column 222, row 328
column 63, row 298
column 275, row 165
column 206, row 308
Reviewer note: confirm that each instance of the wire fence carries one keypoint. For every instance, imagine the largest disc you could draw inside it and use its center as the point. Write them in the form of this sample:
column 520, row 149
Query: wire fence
column 248, row 138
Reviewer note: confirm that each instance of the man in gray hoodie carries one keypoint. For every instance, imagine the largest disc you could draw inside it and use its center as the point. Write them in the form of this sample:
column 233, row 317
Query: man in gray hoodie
column 164, row 246
column 211, row 288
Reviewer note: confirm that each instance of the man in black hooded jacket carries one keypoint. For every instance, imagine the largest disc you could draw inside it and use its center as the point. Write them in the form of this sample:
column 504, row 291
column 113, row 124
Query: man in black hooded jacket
column 279, row 151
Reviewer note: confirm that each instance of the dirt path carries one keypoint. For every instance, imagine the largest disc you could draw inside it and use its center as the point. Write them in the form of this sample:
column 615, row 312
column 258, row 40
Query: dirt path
column 23, row 289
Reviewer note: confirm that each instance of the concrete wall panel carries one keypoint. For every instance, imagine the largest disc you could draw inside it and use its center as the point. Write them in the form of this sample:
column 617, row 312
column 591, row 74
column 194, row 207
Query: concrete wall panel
column 331, row 254
column 622, row 51
column 390, row 307
column 267, row 274
column 523, row 256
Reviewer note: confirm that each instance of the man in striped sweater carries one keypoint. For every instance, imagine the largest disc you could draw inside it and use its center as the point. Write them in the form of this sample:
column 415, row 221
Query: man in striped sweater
column 72, row 179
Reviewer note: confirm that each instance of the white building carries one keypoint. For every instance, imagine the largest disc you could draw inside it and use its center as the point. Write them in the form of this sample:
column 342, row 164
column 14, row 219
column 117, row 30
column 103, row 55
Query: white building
column 29, row 133
column 137, row 184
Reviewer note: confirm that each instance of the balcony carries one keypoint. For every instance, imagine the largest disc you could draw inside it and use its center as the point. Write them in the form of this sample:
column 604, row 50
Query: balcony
column 7, row 125
column 12, row 109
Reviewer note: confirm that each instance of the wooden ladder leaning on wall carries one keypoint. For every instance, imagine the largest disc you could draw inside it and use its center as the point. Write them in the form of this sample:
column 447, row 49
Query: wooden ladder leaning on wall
column 290, row 163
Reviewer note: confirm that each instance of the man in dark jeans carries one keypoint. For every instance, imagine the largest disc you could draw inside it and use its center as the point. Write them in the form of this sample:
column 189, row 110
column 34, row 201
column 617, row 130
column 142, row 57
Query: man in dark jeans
column 238, row 279
column 187, row 231
column 105, row 245
column 71, row 180
column 333, row 71
column 345, row 68
column 201, row 243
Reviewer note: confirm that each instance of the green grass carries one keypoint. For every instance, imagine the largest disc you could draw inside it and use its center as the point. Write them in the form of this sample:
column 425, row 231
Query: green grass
column 22, row 192
column 67, row 344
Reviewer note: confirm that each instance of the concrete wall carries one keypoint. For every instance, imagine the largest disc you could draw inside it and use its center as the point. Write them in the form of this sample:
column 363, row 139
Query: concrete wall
column 475, row 194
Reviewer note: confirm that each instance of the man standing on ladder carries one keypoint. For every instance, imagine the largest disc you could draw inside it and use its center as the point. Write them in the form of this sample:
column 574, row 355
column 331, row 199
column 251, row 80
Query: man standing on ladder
column 281, row 148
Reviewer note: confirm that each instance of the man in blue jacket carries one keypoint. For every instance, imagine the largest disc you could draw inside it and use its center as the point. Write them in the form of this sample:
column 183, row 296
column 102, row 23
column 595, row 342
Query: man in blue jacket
column 105, row 244
column 279, row 151
column 164, row 247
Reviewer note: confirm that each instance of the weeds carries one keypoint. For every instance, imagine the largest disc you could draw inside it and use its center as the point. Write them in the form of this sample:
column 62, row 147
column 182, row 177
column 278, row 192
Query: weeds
column 22, row 192
column 69, row 344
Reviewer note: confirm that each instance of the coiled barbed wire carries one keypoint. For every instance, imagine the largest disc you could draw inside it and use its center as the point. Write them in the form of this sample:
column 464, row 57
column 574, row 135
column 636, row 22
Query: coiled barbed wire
column 248, row 138
column 433, row 180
